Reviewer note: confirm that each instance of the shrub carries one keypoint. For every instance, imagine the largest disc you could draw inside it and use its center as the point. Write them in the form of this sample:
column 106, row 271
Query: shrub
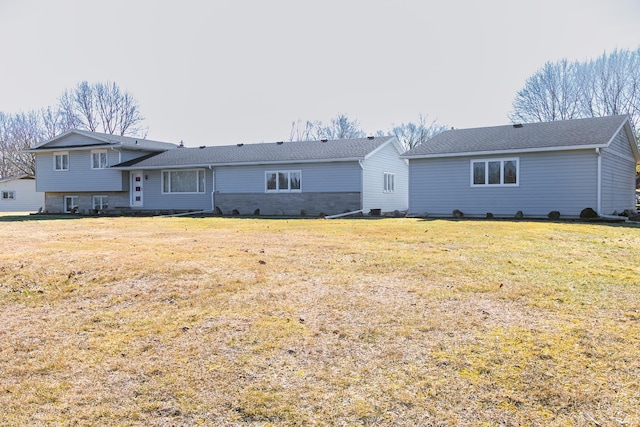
column 555, row 215
column 588, row 213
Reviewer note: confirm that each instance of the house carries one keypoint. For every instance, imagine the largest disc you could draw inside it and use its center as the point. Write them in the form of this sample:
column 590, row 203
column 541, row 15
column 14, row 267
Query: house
column 536, row 168
column 18, row 194
column 74, row 172
column 282, row 178
column 84, row 172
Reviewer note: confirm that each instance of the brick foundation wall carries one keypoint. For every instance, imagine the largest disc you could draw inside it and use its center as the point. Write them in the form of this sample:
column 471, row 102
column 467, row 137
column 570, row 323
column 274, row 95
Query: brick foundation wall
column 288, row 203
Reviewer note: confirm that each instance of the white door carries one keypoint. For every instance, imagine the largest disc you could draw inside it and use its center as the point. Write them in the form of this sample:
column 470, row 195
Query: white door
column 137, row 180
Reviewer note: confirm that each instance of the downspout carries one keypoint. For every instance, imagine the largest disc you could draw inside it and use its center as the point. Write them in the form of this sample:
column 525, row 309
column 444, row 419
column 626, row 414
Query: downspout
column 213, row 188
column 599, row 179
column 360, row 162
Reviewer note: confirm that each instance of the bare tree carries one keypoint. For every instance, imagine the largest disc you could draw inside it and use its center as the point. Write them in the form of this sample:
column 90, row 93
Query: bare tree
column 608, row 85
column 413, row 134
column 17, row 133
column 340, row 127
column 552, row 93
column 102, row 107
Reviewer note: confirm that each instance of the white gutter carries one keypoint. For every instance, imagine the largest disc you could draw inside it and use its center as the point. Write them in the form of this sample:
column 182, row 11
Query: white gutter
column 599, row 184
column 502, row 152
column 213, row 188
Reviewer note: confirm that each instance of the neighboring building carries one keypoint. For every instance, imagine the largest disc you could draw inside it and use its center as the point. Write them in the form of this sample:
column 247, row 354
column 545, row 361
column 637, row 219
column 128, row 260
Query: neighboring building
column 73, row 170
column 18, row 194
column 283, row 178
column 535, row 168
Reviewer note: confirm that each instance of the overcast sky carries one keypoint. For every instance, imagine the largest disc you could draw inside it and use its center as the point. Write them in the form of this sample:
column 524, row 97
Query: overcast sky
column 223, row 72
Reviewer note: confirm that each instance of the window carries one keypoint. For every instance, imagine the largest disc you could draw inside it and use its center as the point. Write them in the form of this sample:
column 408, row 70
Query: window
column 100, row 202
column 99, row 159
column 61, row 161
column 183, row 181
column 8, row 195
column 494, row 172
column 389, row 182
column 283, row 181
column 70, row 204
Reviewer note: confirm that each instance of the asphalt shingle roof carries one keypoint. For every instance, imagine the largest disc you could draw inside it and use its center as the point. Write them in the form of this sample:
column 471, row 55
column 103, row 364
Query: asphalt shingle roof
column 530, row 136
column 277, row 152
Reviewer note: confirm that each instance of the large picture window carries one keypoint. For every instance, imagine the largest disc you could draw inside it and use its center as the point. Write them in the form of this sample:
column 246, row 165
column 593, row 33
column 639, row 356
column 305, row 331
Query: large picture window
column 61, row 161
column 99, row 159
column 183, row 181
column 494, row 172
column 283, row 181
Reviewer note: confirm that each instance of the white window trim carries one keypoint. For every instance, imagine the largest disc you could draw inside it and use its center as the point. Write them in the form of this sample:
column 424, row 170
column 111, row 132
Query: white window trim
column 93, row 201
column 60, row 153
column 201, row 191
column 389, row 184
column 278, row 190
column 486, row 172
column 8, row 192
column 106, row 165
column 64, row 201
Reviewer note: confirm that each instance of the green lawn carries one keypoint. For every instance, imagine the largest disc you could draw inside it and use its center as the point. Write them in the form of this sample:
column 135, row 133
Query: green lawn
column 221, row 321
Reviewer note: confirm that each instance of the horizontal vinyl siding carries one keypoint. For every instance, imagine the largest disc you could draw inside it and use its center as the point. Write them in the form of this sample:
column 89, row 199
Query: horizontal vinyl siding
column 559, row 181
column 618, row 183
column 321, row 177
column 80, row 176
column 620, row 145
column 154, row 199
column 374, row 197
column 73, row 140
column 26, row 197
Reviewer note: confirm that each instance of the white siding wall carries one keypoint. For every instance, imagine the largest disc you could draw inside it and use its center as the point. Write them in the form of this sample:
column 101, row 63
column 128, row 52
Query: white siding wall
column 553, row 181
column 385, row 160
column 618, row 176
column 26, row 197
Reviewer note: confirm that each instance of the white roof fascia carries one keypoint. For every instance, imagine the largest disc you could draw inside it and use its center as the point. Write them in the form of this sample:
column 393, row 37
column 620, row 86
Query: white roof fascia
column 503, row 152
column 83, row 148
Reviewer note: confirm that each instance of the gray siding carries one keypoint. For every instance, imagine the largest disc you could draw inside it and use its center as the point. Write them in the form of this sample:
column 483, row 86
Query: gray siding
column 73, row 140
column 316, row 177
column 618, row 176
column 385, row 160
column 80, row 176
column 553, row 181
column 154, row 199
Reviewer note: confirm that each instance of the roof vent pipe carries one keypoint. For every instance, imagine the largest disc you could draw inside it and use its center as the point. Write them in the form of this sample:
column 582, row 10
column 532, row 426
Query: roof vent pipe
column 370, row 137
column 517, row 125
column 280, row 142
column 240, row 145
column 202, row 146
column 324, row 140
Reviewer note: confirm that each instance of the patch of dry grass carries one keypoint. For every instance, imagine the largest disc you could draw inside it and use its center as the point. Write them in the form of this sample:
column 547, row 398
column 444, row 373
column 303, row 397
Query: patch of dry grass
column 210, row 321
